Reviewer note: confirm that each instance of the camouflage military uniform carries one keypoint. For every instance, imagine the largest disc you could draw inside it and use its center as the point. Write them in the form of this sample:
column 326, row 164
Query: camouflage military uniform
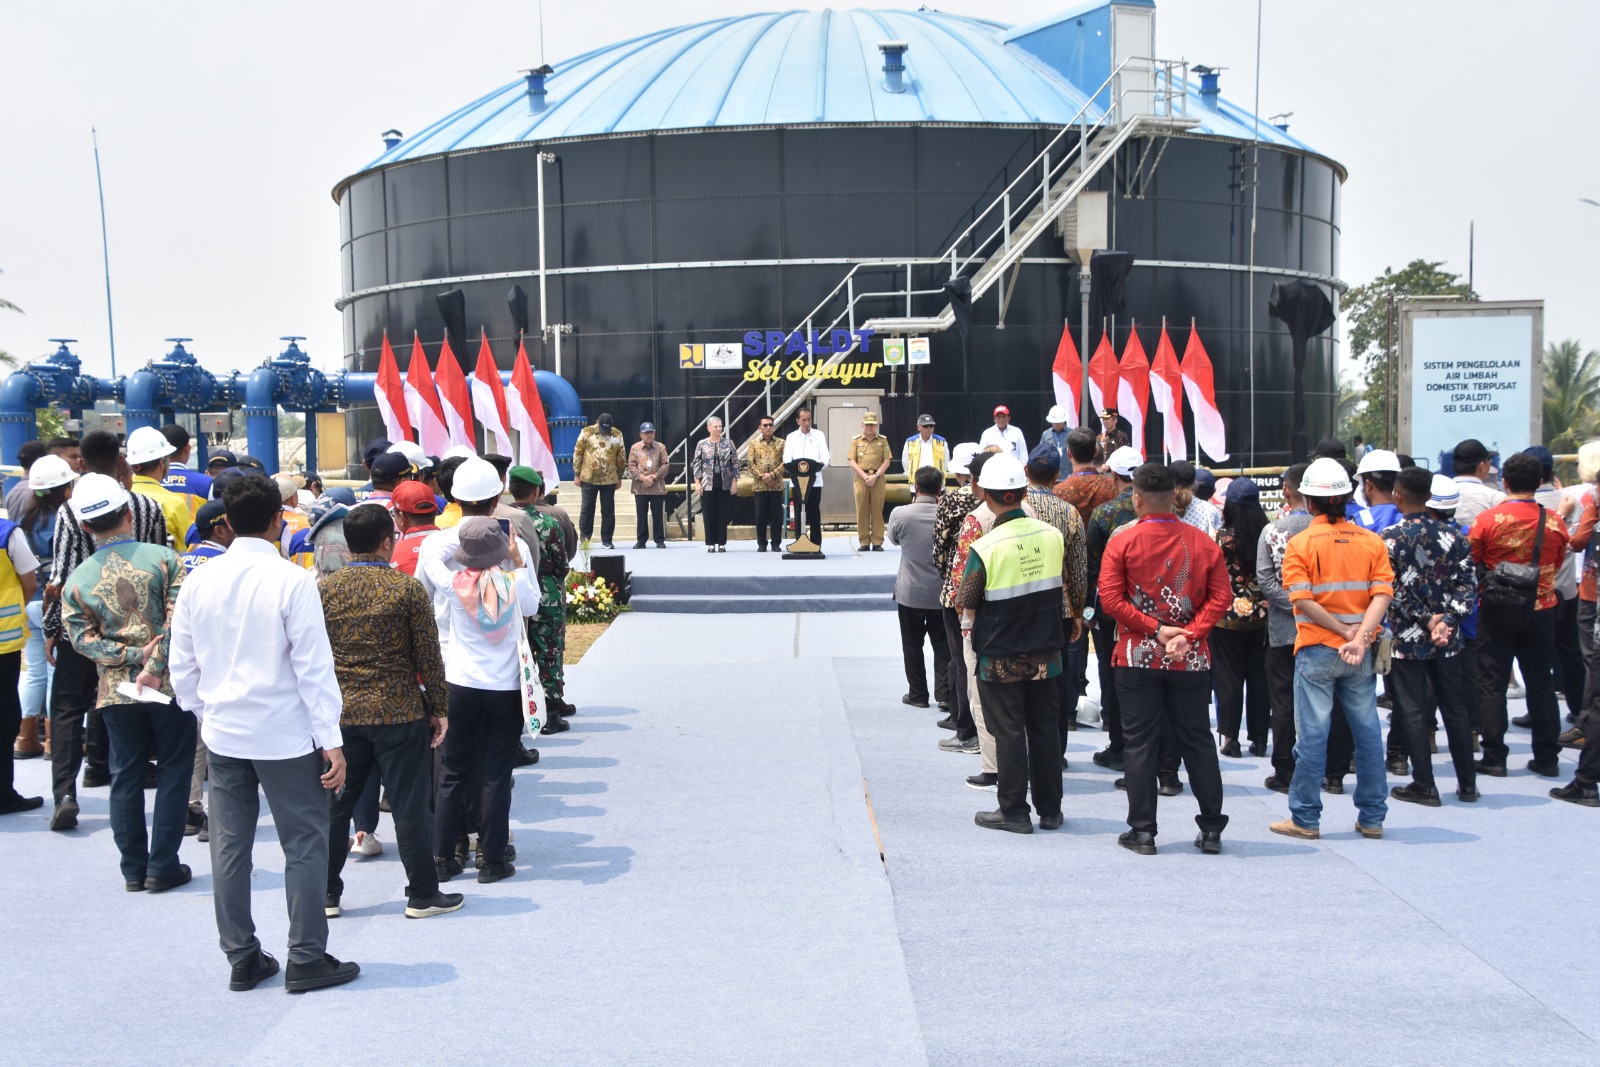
column 547, row 629
column 873, row 456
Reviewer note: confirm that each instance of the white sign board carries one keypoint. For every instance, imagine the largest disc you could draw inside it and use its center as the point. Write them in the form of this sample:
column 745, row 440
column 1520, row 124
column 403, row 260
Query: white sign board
column 918, row 351
column 1470, row 370
column 724, row 357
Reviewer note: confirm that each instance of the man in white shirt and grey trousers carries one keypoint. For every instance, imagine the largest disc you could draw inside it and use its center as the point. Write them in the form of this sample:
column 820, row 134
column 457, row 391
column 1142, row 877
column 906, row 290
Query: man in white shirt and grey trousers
column 250, row 657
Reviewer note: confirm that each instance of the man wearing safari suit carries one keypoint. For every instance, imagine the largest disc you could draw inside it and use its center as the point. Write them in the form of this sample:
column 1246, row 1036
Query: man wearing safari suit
column 869, row 457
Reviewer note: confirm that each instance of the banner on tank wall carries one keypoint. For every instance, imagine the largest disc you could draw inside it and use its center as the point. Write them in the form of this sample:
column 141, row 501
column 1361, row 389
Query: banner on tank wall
column 1470, row 370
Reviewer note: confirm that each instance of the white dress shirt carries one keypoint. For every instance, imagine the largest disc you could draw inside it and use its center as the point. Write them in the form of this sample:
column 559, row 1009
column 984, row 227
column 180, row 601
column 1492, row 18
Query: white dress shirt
column 250, row 656
column 812, row 445
column 470, row 658
column 1010, row 438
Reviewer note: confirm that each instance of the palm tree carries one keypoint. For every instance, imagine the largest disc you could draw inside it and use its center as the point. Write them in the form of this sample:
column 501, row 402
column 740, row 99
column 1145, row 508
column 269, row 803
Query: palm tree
column 1571, row 394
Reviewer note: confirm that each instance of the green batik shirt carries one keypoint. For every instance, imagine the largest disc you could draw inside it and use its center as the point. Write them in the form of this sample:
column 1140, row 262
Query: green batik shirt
column 114, row 604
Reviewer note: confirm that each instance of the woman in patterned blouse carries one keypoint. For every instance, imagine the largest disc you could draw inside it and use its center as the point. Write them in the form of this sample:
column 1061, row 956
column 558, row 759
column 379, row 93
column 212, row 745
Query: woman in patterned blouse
column 1239, row 642
column 716, row 469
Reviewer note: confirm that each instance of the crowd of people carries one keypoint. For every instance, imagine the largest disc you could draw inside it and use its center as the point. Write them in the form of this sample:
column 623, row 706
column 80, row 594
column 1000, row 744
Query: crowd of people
column 218, row 635
column 1194, row 598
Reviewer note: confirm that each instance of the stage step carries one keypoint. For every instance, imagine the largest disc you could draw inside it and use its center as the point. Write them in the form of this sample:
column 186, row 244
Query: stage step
column 748, row 593
column 748, row 604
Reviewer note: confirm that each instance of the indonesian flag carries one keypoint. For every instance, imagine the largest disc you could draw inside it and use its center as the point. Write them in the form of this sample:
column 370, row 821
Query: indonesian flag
column 1103, row 376
column 1133, row 387
column 422, row 402
column 1198, row 384
column 1065, row 374
column 526, row 412
column 1166, row 389
column 489, row 397
column 457, row 401
column 390, row 393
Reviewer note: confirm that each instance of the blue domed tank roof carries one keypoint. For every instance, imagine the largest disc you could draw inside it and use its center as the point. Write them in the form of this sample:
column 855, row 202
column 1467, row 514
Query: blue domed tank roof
column 804, row 68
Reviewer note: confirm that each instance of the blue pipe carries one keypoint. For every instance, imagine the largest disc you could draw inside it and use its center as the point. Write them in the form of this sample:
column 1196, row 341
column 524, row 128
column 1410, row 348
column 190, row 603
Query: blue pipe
column 261, row 414
column 19, row 396
column 141, row 397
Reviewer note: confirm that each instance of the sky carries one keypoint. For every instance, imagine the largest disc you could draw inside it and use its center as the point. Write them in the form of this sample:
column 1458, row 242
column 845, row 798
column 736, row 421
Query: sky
column 224, row 127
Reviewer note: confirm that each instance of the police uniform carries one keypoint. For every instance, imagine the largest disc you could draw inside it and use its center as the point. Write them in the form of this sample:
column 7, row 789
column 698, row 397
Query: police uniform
column 873, row 456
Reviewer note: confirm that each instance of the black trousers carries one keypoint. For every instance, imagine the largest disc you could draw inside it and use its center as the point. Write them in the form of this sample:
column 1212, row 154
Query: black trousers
column 402, row 754
column 496, row 716
column 10, row 719
column 813, row 513
column 1591, row 653
column 917, row 624
column 1280, row 684
column 1069, row 682
column 1410, row 682
column 607, row 495
column 77, row 733
column 1589, row 754
column 1024, row 718
column 1533, row 648
column 649, row 509
column 1569, row 660
column 714, row 507
column 769, row 517
column 960, row 704
column 1105, row 644
column 139, row 731
column 1239, row 675
column 1177, row 703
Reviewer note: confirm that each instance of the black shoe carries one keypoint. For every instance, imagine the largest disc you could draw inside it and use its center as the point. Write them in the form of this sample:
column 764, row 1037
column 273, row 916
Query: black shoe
column 171, row 881
column 556, row 725
column 1209, row 841
column 564, row 708
column 1416, row 794
column 134, row 885
column 1386, row 701
column 946, row 723
column 1545, row 770
column 1277, row 785
column 1575, row 792
column 761, row 547
column 246, row 976
column 1072, row 724
column 66, row 814
column 1138, row 841
column 1231, row 749
column 944, row 705
column 494, row 872
column 1493, row 770
column 304, row 977
column 877, row 548
column 192, row 822
column 438, row 904
column 330, row 906
column 1169, row 786
column 640, row 544
column 1523, row 722
column 608, row 544
column 993, row 820
column 96, row 777
column 1064, row 764
column 1050, row 822
column 983, row 781
column 913, row 701
column 384, row 805
column 1258, row 748
column 1467, row 794
column 1398, row 766
column 447, row 869
column 1333, row 785
column 525, row 757
column 20, row 803
column 204, row 835
column 1108, row 759
column 1122, row 784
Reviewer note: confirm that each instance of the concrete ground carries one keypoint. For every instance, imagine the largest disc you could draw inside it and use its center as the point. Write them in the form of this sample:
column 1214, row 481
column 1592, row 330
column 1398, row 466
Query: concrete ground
column 699, row 882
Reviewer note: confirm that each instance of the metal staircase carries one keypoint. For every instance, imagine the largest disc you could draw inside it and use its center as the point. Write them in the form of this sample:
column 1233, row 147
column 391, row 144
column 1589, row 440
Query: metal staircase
column 997, row 239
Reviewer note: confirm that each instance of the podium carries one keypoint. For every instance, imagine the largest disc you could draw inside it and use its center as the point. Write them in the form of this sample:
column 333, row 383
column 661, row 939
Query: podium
column 802, row 475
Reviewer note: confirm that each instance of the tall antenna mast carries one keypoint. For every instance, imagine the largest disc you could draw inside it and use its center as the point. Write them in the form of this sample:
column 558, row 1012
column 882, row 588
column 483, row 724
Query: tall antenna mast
column 105, row 249
column 541, row 33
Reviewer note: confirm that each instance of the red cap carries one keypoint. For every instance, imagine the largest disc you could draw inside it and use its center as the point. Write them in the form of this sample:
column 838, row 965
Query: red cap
column 414, row 498
column 1002, row 410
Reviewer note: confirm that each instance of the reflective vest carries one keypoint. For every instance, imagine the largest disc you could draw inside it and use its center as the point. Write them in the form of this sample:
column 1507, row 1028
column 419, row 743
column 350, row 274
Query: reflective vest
column 936, row 449
column 1021, row 609
column 13, row 628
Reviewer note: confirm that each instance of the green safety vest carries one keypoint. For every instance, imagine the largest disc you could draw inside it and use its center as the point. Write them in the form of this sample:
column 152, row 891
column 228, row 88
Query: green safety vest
column 1021, row 610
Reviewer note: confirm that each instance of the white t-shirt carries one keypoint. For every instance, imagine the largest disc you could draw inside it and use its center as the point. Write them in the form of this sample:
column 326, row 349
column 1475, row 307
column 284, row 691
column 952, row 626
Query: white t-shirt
column 1009, row 438
column 23, row 561
column 470, row 658
column 813, row 445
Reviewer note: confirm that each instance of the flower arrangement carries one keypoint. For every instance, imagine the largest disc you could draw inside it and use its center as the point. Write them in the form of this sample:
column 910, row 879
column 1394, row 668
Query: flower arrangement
column 591, row 598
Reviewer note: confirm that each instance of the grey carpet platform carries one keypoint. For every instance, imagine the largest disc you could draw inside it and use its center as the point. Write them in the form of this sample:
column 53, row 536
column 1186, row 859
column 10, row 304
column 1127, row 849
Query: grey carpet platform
column 684, row 578
column 699, row 883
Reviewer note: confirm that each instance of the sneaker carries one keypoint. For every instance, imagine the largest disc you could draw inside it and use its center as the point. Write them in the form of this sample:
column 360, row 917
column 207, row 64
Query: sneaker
column 983, row 781
column 1372, row 833
column 181, row 876
column 204, row 835
column 438, row 904
column 971, row 747
column 946, row 723
column 953, row 744
column 304, row 977
column 367, row 844
column 913, row 701
column 1290, row 828
column 66, row 814
column 663, row 544
column 330, row 906
column 246, row 976
column 192, row 822
column 1416, row 794
column 1572, row 738
column 1575, row 792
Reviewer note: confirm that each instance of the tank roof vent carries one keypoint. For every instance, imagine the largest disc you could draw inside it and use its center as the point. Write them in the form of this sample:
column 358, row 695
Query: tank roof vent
column 536, row 87
column 894, row 65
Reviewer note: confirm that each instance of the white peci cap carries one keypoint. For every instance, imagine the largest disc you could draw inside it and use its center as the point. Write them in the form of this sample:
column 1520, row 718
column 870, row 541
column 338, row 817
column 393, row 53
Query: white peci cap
column 1125, row 461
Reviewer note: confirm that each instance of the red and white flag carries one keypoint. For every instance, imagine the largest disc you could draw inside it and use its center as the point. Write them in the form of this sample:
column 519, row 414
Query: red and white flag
column 390, row 393
column 1199, row 386
column 1166, row 390
column 422, row 402
column 457, row 402
column 1066, row 375
column 489, row 397
column 1133, row 387
column 1103, row 376
column 526, row 412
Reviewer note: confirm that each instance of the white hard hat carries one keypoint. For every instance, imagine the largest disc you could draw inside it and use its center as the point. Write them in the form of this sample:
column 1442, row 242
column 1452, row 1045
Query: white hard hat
column 463, row 451
column 48, row 472
column 476, row 480
column 146, row 445
column 1444, row 494
column 414, row 453
column 1125, row 461
column 1379, row 461
column 1002, row 472
column 960, row 457
column 1325, row 477
column 98, row 495
column 1057, row 414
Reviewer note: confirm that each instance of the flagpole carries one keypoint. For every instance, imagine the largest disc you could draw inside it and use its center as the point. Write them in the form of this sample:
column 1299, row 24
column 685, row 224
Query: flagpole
column 105, row 250
column 1197, row 421
column 1166, row 457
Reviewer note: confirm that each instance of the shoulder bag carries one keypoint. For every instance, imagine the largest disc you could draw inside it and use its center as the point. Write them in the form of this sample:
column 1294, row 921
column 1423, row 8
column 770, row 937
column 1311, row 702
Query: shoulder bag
column 1511, row 590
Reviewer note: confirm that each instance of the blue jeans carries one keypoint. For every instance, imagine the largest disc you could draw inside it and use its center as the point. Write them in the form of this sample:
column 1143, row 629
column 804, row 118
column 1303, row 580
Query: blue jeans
column 137, row 730
column 1320, row 676
column 34, row 688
